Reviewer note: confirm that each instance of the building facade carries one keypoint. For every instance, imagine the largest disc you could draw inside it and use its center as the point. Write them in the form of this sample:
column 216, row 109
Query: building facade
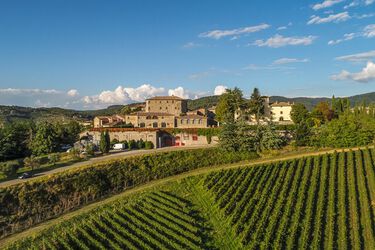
column 167, row 104
column 161, row 112
column 280, row 112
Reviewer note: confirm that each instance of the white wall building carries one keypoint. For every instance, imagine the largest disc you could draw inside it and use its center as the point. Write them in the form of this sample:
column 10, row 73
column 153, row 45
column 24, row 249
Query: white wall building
column 280, row 112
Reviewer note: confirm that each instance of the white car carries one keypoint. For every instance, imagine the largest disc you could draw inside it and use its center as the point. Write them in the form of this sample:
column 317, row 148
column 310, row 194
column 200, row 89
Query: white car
column 119, row 146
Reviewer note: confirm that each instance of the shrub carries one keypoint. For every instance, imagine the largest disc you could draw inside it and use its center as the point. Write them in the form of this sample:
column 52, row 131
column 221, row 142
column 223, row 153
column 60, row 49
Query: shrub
column 132, row 144
column 141, row 144
column 149, row 145
column 90, row 150
column 25, row 204
column 10, row 168
column 53, row 158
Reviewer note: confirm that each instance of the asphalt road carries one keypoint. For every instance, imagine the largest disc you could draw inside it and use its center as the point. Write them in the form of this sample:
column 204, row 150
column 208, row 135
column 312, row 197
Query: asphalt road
column 113, row 155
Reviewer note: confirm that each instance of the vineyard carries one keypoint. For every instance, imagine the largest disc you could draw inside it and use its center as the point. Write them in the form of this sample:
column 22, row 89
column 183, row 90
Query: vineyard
column 158, row 220
column 323, row 202
column 319, row 202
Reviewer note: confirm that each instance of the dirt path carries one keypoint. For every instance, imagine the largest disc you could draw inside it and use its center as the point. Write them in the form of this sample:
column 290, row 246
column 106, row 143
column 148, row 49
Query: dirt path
column 156, row 183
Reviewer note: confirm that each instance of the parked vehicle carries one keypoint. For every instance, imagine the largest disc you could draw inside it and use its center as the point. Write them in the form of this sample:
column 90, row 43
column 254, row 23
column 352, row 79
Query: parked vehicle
column 119, row 146
column 26, row 175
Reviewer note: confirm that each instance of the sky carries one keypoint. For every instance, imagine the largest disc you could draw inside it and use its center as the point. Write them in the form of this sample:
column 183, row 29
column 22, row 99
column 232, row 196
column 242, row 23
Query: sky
column 89, row 54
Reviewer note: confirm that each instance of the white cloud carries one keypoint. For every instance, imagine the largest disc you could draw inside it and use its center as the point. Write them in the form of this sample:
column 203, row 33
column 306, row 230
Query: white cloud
column 369, row 31
column 326, row 4
column 367, row 74
column 346, row 37
column 358, row 3
column 190, row 45
column 13, row 91
column 365, row 56
column 179, row 91
column 289, row 60
column 73, row 93
column 335, row 18
column 217, row 34
column 220, row 89
column 280, row 41
column 122, row 95
column 282, row 28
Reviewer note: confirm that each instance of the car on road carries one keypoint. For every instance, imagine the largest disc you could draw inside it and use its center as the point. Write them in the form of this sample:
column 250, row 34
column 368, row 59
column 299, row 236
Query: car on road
column 25, row 175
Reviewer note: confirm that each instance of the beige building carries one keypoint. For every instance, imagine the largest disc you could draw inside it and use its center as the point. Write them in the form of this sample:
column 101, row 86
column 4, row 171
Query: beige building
column 161, row 112
column 151, row 120
column 167, row 104
column 280, row 112
column 108, row 121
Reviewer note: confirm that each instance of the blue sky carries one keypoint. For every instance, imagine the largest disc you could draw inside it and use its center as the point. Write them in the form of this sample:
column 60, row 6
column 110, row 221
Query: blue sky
column 91, row 54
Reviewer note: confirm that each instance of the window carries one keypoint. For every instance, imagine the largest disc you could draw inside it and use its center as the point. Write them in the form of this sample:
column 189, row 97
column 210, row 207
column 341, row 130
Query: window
column 186, row 136
column 163, row 125
column 154, row 117
column 192, row 121
column 148, row 117
column 281, row 118
column 142, row 125
column 281, row 112
column 160, row 108
column 155, row 125
column 195, row 137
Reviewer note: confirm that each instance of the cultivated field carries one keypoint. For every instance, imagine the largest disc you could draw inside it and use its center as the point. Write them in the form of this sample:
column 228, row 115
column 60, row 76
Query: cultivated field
column 318, row 202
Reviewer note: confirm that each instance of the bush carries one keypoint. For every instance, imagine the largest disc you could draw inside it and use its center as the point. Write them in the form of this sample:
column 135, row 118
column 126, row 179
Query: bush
column 29, row 203
column 141, row 144
column 90, row 150
column 10, row 168
column 149, row 145
column 53, row 158
column 132, row 144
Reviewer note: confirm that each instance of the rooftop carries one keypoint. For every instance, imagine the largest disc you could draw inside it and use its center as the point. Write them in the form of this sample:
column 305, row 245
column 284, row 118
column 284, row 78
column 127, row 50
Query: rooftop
column 165, row 98
column 281, row 104
column 152, row 113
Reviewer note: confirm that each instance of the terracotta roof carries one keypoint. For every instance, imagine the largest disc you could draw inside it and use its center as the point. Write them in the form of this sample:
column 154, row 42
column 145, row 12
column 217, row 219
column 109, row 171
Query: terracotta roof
column 281, row 104
column 165, row 98
column 153, row 113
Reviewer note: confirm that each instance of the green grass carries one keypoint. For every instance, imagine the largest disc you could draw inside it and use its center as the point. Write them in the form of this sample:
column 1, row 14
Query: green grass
column 320, row 202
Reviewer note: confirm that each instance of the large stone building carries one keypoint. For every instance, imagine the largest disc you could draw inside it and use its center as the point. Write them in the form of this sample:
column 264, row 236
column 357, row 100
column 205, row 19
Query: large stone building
column 161, row 112
column 167, row 104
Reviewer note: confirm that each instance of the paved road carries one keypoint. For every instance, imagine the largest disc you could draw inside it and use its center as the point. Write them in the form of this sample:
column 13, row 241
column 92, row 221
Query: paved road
column 100, row 159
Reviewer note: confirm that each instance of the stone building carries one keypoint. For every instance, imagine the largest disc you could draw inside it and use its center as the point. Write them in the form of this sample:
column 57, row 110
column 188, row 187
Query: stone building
column 162, row 112
column 167, row 104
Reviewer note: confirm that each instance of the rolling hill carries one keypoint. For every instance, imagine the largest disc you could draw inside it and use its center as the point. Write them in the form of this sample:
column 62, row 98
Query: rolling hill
column 14, row 113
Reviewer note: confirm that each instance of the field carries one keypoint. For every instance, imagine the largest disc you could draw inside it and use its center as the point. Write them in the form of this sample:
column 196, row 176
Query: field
column 318, row 202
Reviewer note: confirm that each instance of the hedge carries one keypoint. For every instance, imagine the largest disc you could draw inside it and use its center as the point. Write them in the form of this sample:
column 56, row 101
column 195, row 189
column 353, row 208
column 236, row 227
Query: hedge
column 26, row 204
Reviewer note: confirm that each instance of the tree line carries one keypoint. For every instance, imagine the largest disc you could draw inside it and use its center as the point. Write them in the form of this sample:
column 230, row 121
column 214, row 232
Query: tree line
column 22, row 139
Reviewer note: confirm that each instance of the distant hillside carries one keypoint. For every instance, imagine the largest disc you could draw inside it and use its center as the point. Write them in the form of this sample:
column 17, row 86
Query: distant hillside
column 309, row 102
column 14, row 113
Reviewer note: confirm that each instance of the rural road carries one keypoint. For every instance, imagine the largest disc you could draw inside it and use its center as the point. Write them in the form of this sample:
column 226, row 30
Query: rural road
column 91, row 161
